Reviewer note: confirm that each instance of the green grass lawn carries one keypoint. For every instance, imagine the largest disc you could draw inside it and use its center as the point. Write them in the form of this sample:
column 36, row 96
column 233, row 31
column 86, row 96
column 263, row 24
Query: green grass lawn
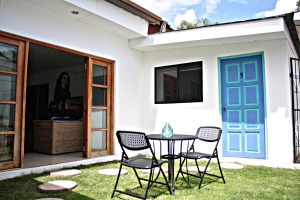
column 247, row 183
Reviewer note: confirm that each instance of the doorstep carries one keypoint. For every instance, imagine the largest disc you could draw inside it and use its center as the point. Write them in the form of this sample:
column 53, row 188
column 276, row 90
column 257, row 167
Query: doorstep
column 8, row 174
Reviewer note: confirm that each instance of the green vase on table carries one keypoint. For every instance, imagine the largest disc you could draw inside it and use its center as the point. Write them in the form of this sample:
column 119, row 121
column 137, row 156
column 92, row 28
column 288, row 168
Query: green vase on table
column 167, row 131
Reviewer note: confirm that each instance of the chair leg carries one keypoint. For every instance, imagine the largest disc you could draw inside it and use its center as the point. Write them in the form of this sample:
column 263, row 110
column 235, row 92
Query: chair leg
column 187, row 172
column 199, row 172
column 156, row 177
column 117, row 181
column 149, row 183
column 166, row 180
column 182, row 173
column 180, row 168
column 203, row 173
column 136, row 174
column 221, row 170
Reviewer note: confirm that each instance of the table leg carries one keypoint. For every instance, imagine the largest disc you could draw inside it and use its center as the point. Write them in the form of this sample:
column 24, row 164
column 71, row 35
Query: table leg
column 171, row 165
column 171, row 175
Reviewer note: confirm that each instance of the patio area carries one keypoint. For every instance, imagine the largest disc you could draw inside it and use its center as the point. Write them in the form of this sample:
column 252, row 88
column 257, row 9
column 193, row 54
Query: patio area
column 35, row 163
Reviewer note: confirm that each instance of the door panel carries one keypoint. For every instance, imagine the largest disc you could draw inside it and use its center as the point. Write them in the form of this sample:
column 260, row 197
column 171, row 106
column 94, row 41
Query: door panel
column 243, row 107
column 99, row 108
column 11, row 83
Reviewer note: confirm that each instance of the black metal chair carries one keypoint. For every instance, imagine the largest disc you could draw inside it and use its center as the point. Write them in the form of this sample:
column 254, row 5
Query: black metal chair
column 137, row 141
column 207, row 134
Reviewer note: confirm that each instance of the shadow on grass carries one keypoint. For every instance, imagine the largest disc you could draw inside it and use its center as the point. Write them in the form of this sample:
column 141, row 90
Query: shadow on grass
column 194, row 182
column 27, row 188
column 155, row 191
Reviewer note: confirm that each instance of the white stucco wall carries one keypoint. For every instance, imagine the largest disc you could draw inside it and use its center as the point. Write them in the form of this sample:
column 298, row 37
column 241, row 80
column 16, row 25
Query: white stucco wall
column 187, row 117
column 134, row 107
column 29, row 20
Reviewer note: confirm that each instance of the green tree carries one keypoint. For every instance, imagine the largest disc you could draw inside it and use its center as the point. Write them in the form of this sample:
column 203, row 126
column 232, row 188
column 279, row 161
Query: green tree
column 298, row 5
column 194, row 24
column 187, row 25
column 204, row 21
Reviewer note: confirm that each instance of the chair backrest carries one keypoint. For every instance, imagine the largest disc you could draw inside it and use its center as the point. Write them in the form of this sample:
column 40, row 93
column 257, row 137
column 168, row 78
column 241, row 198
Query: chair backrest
column 132, row 140
column 209, row 133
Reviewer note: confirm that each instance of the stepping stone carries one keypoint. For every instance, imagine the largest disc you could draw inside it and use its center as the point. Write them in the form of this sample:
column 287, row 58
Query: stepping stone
column 194, row 169
column 65, row 173
column 231, row 166
column 156, row 170
column 57, row 186
column 112, row 172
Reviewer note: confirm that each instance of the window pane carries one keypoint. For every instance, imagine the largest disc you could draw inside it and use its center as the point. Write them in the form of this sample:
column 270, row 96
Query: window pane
column 7, row 117
column 98, row 140
column 99, row 96
column 179, row 83
column 190, row 84
column 6, row 148
column 8, row 57
column 7, row 87
column 99, row 75
column 98, row 118
column 166, row 84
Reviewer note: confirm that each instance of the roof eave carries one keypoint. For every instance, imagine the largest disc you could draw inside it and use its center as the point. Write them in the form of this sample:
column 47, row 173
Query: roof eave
column 221, row 34
column 135, row 9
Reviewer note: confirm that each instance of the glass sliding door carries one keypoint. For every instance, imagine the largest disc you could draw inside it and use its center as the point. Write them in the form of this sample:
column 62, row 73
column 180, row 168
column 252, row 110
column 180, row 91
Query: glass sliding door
column 11, row 84
column 99, row 108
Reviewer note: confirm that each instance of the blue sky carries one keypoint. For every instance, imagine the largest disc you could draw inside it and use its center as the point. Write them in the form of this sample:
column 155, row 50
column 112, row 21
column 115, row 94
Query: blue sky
column 221, row 11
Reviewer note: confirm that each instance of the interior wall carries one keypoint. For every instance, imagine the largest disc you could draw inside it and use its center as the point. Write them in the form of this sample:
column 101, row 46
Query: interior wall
column 76, row 74
column 187, row 117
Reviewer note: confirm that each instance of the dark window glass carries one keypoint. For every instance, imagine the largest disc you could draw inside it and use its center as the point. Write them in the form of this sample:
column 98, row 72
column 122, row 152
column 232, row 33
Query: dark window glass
column 99, row 75
column 99, row 96
column 8, row 87
column 7, row 117
column 6, row 148
column 8, row 57
column 180, row 83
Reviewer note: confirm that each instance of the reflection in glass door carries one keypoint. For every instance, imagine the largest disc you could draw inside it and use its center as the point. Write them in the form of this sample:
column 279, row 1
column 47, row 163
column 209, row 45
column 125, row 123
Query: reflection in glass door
column 11, row 76
column 99, row 108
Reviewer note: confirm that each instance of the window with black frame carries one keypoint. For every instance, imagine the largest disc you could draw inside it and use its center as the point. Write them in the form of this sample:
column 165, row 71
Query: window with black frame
column 181, row 83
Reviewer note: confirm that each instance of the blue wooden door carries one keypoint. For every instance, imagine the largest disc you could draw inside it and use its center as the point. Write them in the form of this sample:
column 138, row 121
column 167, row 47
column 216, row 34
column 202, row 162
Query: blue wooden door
column 243, row 118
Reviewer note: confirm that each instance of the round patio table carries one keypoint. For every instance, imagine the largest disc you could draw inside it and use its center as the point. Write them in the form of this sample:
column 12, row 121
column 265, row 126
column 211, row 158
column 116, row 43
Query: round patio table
column 171, row 151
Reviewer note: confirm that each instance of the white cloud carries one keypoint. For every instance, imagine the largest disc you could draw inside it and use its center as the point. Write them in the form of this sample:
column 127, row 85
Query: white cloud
column 281, row 7
column 173, row 11
column 211, row 5
column 239, row 1
column 189, row 16
column 170, row 10
column 260, row 14
column 162, row 6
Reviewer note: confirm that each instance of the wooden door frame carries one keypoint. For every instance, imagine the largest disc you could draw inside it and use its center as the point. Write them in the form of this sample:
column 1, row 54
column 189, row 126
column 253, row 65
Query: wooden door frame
column 88, row 107
column 19, row 112
column 27, row 42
